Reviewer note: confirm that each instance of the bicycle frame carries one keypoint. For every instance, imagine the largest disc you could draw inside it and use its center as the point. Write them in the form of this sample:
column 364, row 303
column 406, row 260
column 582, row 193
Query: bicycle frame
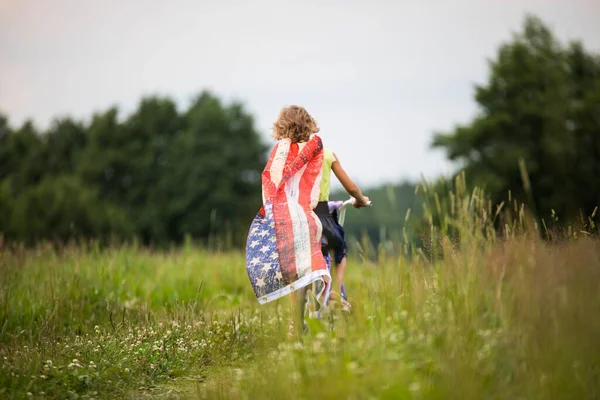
column 341, row 209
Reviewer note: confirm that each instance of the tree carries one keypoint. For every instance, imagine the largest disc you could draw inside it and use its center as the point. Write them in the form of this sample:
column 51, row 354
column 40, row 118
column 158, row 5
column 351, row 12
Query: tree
column 107, row 161
column 539, row 109
column 60, row 208
column 158, row 174
column 211, row 184
column 21, row 155
column 126, row 160
column 65, row 140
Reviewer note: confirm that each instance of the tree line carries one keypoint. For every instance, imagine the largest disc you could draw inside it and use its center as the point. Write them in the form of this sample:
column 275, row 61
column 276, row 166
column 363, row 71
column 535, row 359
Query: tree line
column 157, row 175
column 161, row 174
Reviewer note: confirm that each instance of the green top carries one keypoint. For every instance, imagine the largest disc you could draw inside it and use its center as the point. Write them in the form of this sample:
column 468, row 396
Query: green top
column 328, row 159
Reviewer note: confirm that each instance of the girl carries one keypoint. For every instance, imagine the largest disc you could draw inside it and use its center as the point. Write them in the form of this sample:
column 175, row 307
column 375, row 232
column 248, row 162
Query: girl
column 333, row 233
column 283, row 250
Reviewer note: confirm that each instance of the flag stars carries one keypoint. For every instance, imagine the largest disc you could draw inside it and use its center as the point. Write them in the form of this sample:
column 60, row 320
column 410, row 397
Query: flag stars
column 255, row 261
column 262, row 258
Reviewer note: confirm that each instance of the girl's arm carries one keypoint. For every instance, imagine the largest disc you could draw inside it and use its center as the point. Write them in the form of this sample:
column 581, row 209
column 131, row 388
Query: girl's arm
column 348, row 184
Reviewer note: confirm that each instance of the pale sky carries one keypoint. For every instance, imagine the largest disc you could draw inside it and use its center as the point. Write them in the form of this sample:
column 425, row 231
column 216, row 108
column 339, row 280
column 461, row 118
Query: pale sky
column 379, row 76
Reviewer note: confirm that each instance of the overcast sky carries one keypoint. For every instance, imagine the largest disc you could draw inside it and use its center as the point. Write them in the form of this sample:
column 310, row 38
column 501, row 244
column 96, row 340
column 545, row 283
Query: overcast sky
column 379, row 76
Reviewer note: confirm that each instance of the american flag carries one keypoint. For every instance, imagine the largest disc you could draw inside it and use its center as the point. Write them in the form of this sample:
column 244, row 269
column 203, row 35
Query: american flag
column 283, row 249
column 262, row 260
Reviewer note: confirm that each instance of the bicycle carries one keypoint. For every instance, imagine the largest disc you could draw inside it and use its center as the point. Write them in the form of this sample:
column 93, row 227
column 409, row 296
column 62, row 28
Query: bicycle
column 311, row 306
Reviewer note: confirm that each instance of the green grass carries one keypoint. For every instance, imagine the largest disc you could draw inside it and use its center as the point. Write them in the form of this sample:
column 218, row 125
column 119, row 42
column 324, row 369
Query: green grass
column 470, row 316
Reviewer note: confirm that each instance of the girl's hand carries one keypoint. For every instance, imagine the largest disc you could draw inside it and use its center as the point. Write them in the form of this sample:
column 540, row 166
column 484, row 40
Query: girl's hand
column 360, row 203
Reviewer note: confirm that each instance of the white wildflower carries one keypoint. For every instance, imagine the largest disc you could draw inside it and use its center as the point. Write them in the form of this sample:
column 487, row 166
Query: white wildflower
column 414, row 387
column 352, row 366
column 295, row 377
column 239, row 373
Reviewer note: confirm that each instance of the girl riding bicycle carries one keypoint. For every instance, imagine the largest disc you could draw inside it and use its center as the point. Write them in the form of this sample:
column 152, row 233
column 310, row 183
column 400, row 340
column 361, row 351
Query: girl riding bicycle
column 283, row 250
column 333, row 233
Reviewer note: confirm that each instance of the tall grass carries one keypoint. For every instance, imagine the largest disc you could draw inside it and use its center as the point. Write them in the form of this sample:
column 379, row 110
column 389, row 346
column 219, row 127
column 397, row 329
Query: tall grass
column 102, row 322
column 486, row 310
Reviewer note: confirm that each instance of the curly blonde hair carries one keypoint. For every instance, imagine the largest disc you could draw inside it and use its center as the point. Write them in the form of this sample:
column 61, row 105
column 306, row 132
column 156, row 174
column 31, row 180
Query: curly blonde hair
column 295, row 123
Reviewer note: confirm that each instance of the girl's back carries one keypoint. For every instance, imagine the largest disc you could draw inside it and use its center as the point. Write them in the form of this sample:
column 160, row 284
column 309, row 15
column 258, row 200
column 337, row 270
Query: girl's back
column 283, row 251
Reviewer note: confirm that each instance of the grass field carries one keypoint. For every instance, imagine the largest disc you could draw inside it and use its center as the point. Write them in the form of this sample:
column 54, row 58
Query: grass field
column 486, row 318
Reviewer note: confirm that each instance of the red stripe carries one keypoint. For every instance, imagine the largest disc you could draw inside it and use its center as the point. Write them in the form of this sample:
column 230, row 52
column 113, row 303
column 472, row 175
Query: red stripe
column 284, row 230
column 311, row 156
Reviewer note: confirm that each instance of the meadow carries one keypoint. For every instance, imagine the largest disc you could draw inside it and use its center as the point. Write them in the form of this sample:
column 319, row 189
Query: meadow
column 478, row 313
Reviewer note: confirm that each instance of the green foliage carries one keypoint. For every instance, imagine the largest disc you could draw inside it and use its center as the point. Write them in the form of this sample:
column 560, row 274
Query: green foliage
column 98, row 323
column 538, row 129
column 158, row 175
column 62, row 208
column 493, row 318
column 21, row 156
column 386, row 222
column 212, row 185
column 65, row 140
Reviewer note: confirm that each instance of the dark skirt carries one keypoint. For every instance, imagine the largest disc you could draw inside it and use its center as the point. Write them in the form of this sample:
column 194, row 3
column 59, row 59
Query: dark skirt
column 333, row 232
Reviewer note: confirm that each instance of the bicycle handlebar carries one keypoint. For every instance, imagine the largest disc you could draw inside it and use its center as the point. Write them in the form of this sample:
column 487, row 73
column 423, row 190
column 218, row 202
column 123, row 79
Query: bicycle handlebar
column 342, row 209
column 351, row 201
